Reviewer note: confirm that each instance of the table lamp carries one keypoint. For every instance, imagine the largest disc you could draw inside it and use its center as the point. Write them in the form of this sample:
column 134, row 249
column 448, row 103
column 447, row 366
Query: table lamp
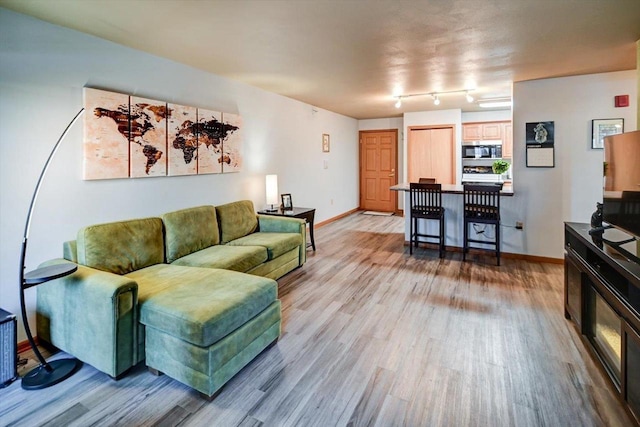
column 47, row 373
column 272, row 192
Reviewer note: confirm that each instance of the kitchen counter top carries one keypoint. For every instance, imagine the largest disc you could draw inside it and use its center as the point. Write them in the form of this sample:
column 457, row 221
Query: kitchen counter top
column 507, row 190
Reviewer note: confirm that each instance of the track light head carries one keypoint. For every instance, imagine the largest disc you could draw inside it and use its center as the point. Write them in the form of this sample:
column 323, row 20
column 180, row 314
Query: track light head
column 436, row 100
column 399, row 102
column 469, row 97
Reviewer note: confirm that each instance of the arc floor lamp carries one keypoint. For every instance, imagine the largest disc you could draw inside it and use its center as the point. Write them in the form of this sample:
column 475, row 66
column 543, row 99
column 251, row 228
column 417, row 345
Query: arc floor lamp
column 47, row 373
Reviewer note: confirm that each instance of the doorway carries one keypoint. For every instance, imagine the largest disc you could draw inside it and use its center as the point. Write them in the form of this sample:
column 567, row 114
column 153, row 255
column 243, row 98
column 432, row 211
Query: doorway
column 378, row 170
column 431, row 153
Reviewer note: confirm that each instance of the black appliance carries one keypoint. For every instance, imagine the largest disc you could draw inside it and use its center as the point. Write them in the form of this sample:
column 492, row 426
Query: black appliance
column 482, row 150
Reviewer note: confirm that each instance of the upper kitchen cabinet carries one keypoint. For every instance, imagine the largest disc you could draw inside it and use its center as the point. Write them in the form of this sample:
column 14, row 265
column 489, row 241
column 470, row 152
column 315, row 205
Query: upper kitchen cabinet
column 472, row 131
column 481, row 131
column 507, row 140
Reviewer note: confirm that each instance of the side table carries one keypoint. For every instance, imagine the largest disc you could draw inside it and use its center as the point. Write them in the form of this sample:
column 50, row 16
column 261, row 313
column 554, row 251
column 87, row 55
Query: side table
column 303, row 213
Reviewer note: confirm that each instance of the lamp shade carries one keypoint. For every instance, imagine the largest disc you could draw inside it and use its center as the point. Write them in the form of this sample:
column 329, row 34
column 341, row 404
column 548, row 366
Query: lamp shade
column 272, row 189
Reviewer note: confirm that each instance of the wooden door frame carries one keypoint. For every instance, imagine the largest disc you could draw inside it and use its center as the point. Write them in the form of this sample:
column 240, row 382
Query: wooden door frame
column 360, row 134
column 451, row 126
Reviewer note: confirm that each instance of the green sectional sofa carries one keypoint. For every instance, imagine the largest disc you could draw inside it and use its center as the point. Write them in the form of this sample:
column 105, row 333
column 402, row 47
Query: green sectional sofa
column 193, row 292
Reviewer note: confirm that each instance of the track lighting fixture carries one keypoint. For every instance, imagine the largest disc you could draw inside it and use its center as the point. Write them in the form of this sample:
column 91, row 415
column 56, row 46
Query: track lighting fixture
column 434, row 95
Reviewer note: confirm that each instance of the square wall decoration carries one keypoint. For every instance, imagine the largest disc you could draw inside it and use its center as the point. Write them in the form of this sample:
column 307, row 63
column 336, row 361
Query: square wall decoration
column 133, row 137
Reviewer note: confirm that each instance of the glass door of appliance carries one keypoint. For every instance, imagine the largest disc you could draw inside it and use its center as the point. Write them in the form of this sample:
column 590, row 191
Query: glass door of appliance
column 604, row 331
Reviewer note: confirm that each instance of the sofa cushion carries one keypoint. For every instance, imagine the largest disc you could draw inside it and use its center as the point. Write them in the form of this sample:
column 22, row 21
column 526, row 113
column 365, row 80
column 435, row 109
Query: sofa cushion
column 190, row 230
column 236, row 220
column 200, row 305
column 121, row 247
column 276, row 243
column 236, row 258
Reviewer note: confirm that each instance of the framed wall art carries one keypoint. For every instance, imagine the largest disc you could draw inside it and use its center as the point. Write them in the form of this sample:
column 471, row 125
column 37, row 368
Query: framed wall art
column 540, row 144
column 604, row 127
column 325, row 143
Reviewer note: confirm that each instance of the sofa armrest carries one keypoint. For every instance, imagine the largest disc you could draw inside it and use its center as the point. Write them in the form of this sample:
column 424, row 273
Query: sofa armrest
column 92, row 315
column 283, row 224
column 70, row 251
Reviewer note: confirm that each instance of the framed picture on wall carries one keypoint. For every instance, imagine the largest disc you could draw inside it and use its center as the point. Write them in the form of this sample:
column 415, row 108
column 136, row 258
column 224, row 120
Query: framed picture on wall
column 540, row 133
column 604, row 127
column 325, row 143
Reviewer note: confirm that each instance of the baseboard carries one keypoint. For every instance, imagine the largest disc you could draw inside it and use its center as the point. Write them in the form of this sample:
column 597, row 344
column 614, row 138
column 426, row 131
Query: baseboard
column 24, row 345
column 335, row 218
column 525, row 257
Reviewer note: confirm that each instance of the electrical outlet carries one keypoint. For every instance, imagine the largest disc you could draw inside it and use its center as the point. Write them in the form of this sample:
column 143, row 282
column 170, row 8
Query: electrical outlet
column 519, row 225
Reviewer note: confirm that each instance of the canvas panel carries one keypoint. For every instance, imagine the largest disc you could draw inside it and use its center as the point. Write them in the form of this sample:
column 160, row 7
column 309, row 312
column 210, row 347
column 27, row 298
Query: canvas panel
column 148, row 138
column 106, row 135
column 182, row 146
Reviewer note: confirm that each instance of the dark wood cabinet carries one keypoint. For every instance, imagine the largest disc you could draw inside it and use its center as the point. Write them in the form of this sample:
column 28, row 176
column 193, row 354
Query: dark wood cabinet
column 602, row 297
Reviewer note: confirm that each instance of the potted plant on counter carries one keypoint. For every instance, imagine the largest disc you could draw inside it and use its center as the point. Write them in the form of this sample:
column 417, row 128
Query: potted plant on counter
column 500, row 166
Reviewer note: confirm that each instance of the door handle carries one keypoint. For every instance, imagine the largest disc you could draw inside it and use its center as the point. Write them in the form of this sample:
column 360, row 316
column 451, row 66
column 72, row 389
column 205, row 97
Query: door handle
column 393, row 174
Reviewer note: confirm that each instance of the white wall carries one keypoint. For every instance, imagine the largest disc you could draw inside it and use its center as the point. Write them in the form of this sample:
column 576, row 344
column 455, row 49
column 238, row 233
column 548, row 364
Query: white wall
column 44, row 68
column 486, row 116
column 546, row 197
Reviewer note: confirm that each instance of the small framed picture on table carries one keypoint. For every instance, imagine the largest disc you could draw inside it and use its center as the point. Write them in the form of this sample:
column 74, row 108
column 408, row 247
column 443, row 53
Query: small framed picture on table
column 287, row 204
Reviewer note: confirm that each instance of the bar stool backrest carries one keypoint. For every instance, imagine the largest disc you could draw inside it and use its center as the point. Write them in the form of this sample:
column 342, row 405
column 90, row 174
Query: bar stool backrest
column 425, row 200
column 427, row 180
column 482, row 202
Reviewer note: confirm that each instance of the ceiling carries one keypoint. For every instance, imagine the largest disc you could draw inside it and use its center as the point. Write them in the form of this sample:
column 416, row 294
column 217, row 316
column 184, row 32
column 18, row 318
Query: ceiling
column 352, row 56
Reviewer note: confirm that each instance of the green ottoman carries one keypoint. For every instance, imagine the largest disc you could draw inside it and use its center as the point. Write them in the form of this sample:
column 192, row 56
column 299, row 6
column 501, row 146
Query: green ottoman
column 203, row 333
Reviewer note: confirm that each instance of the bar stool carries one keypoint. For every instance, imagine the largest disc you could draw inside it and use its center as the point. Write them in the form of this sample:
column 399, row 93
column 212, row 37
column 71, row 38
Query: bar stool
column 481, row 205
column 425, row 202
column 427, row 180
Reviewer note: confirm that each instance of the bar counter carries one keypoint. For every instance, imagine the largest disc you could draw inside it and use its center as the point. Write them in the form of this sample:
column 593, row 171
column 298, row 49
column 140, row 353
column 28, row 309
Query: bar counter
column 507, row 190
column 452, row 203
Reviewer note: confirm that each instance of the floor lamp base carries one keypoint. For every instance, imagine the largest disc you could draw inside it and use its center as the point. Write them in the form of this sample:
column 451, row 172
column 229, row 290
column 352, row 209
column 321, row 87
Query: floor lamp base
column 41, row 378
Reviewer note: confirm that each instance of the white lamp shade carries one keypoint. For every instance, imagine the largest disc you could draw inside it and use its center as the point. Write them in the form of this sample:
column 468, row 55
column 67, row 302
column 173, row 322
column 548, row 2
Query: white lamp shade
column 272, row 189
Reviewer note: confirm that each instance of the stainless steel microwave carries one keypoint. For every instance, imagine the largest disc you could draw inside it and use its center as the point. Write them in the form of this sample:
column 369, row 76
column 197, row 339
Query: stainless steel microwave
column 482, row 150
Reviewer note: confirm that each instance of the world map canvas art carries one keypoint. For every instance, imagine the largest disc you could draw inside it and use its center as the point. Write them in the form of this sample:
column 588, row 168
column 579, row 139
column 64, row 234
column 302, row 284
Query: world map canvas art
column 138, row 137
column 106, row 135
column 147, row 138
column 183, row 140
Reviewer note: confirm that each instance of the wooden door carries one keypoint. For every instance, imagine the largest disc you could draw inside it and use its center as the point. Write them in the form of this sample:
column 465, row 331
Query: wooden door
column 378, row 166
column 431, row 154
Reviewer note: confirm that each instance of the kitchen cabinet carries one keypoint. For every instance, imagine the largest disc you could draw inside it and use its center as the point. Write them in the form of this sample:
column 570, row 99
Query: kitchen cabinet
column 507, row 140
column 483, row 131
column 492, row 131
column 472, row 132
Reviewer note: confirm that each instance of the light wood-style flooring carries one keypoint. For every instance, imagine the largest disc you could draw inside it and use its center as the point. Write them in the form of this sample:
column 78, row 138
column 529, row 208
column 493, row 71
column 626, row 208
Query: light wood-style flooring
column 375, row 337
